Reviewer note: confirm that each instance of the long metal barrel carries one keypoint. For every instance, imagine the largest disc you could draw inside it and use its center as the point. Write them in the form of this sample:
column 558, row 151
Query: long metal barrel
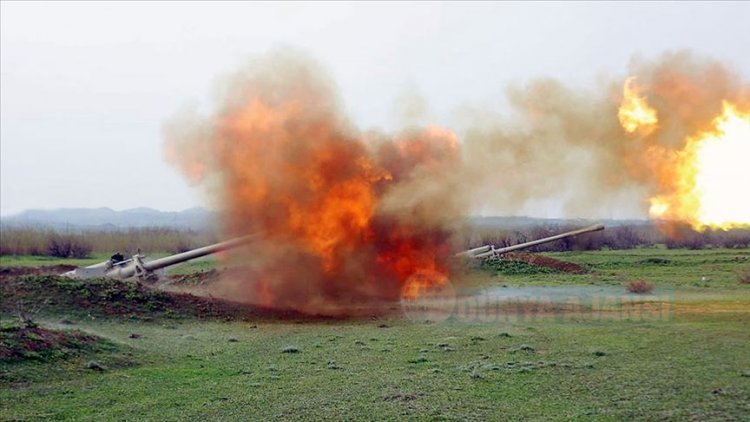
column 594, row 228
column 127, row 271
column 196, row 253
column 474, row 252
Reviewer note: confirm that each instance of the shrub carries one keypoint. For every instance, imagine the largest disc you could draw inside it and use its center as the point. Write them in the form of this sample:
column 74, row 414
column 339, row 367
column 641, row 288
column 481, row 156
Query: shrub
column 639, row 286
column 744, row 276
column 80, row 248
column 57, row 247
column 68, row 246
column 79, row 244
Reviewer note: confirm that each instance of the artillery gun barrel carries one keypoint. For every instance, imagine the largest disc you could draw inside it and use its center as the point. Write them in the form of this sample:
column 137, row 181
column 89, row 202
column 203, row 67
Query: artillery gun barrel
column 594, row 228
column 475, row 252
column 157, row 264
column 196, row 253
column 488, row 251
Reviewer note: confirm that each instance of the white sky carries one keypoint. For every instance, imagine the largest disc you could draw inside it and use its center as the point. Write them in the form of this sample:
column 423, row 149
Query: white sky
column 86, row 87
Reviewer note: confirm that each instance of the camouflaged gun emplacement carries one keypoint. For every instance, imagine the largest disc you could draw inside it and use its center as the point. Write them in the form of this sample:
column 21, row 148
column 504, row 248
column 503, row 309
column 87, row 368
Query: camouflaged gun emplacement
column 137, row 267
column 492, row 252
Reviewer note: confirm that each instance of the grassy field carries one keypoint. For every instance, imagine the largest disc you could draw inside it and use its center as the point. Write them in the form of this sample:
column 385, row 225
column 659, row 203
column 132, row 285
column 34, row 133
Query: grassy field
column 693, row 363
column 679, row 268
column 35, row 261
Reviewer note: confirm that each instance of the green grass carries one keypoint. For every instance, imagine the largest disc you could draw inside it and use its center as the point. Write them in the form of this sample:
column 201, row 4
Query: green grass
column 692, row 365
column 21, row 342
column 35, row 261
column 679, row 268
column 196, row 265
column 508, row 267
column 671, row 369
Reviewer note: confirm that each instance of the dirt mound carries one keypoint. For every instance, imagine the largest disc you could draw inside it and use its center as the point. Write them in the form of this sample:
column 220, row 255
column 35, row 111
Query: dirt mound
column 42, row 270
column 108, row 297
column 546, row 262
column 33, row 342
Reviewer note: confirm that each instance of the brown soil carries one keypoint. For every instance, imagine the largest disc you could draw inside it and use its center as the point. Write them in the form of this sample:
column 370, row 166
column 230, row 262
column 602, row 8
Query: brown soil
column 544, row 261
column 639, row 286
column 203, row 278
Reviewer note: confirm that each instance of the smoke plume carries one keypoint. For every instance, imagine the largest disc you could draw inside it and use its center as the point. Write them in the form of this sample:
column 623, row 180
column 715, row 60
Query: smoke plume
column 566, row 145
column 344, row 216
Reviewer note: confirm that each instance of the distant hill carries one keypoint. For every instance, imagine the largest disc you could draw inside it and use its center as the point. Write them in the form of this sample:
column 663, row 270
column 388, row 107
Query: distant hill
column 109, row 219
column 201, row 219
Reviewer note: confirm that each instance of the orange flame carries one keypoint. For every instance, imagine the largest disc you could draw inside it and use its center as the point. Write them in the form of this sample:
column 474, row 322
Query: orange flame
column 292, row 170
column 635, row 113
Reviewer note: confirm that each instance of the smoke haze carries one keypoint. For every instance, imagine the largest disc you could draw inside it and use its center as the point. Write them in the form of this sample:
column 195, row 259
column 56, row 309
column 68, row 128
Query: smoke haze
column 345, row 216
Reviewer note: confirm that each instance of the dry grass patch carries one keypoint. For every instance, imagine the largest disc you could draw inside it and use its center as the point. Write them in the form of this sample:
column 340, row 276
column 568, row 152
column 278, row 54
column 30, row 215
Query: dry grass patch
column 639, row 287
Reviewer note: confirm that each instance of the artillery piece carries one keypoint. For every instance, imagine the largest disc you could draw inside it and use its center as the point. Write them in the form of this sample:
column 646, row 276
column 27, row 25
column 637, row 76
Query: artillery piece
column 491, row 252
column 139, row 268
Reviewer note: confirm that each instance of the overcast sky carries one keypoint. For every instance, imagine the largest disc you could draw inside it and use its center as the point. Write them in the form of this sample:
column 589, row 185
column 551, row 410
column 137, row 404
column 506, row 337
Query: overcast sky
column 86, row 87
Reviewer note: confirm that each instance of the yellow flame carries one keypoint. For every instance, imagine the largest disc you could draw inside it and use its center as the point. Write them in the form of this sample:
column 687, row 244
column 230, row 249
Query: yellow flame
column 659, row 207
column 721, row 180
column 712, row 188
column 634, row 112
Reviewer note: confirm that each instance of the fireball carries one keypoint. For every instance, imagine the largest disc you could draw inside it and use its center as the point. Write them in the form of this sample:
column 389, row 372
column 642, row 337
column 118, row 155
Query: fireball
column 635, row 112
column 717, row 162
column 705, row 182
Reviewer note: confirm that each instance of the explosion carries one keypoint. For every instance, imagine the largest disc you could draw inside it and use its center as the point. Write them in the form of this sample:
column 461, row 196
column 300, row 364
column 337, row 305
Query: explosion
column 344, row 217
column 704, row 177
column 634, row 111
